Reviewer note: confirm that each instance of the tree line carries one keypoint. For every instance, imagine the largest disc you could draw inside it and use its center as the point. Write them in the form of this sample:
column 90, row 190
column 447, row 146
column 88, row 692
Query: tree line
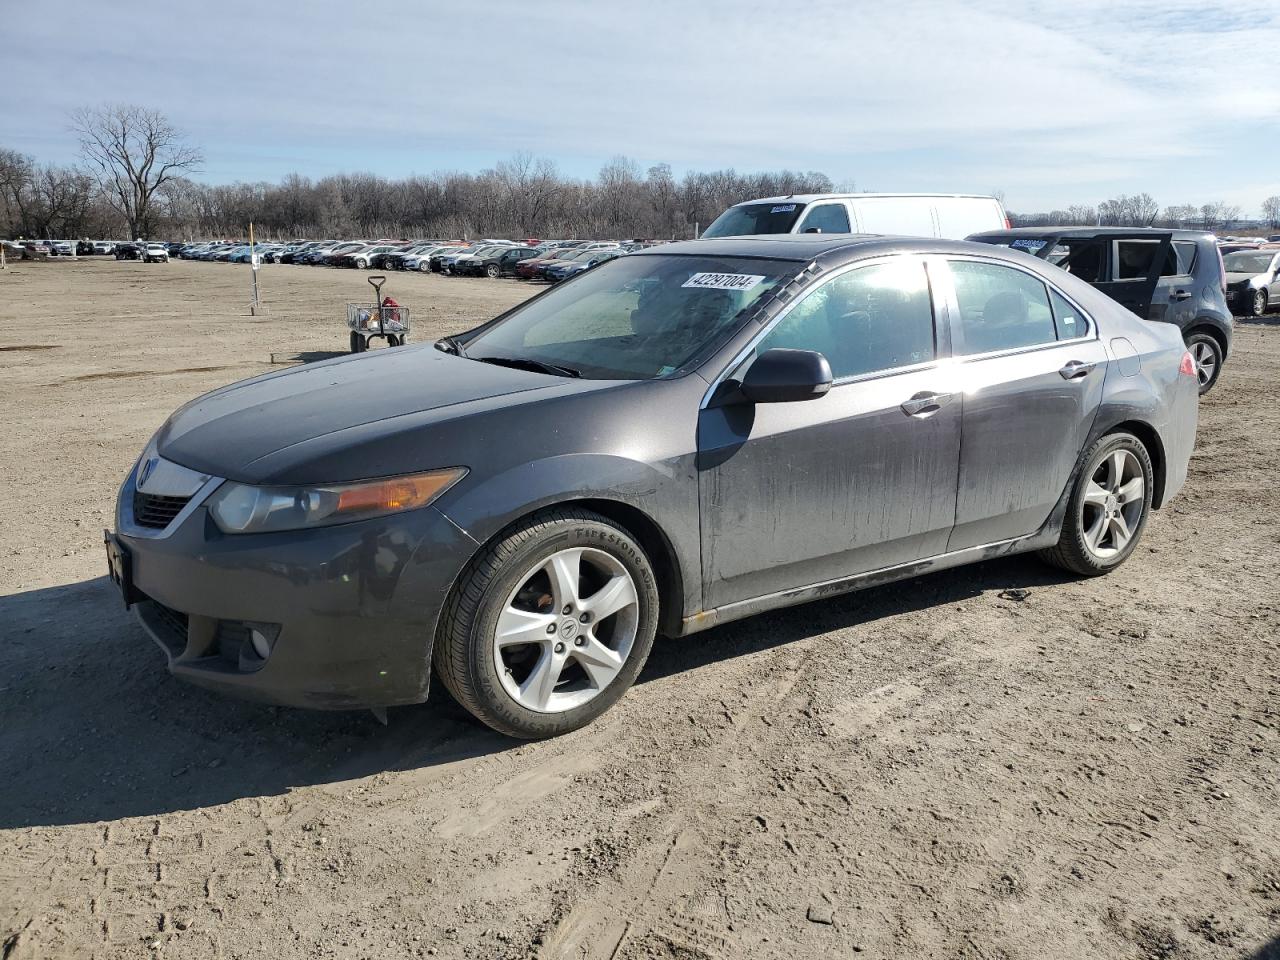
column 136, row 180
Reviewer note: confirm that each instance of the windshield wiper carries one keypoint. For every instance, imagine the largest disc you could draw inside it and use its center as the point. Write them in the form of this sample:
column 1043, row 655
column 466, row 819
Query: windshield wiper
column 528, row 363
column 451, row 345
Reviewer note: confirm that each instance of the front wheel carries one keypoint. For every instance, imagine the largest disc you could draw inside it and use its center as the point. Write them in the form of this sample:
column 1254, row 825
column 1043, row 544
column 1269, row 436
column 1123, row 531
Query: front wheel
column 1108, row 508
column 550, row 625
column 1259, row 304
column 1207, row 354
column 493, row 271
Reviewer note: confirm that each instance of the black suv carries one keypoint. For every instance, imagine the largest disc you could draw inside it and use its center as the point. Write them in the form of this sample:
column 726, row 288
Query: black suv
column 1173, row 276
column 496, row 263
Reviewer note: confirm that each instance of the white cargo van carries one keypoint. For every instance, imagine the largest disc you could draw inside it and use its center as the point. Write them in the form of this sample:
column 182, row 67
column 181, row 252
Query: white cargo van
column 950, row 216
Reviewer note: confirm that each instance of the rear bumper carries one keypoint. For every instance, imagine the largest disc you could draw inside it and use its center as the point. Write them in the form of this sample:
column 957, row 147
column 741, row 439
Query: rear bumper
column 350, row 610
column 1179, row 435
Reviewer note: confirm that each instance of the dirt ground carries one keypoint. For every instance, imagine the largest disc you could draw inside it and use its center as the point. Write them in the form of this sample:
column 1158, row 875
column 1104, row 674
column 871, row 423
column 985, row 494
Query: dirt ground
column 930, row 769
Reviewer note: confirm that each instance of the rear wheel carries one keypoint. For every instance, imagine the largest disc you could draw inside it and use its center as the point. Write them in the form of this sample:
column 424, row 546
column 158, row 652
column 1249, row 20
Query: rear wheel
column 1259, row 302
column 1207, row 354
column 1108, row 508
column 550, row 625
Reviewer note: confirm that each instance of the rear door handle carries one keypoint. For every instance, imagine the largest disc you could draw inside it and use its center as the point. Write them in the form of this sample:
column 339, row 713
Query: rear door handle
column 925, row 404
column 1181, row 295
column 1075, row 370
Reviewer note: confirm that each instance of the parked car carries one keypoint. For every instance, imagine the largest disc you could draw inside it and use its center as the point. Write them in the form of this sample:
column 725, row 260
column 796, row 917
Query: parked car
column 953, row 216
column 575, row 255
column 1253, row 280
column 564, row 270
column 104, row 247
column 61, row 248
column 443, row 261
column 494, row 262
column 155, row 253
column 128, row 251
column 523, row 507
column 1174, row 276
column 336, row 254
column 526, row 269
column 1229, row 246
column 84, row 248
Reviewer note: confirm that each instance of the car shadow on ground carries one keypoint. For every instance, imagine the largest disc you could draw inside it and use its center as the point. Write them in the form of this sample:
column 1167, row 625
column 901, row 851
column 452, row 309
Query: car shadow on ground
column 1270, row 951
column 93, row 728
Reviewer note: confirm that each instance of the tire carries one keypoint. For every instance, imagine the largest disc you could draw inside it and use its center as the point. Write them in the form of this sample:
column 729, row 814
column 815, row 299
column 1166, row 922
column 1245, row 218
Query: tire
column 493, row 271
column 1090, row 542
column 509, row 583
column 358, row 344
column 424, row 267
column 1258, row 307
column 1207, row 354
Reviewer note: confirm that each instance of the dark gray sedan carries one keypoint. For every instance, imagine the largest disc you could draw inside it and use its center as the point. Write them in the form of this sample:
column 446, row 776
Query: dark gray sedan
column 678, row 438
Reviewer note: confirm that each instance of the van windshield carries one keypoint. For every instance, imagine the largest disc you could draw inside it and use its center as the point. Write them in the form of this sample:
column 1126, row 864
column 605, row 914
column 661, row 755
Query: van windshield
column 749, row 219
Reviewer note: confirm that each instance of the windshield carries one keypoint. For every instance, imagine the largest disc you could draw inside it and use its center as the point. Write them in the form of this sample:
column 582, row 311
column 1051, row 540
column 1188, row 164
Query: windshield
column 1242, row 262
column 635, row 318
column 749, row 219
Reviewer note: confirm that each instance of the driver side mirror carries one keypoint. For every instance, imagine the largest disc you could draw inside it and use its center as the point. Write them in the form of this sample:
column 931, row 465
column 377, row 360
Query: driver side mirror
column 787, row 376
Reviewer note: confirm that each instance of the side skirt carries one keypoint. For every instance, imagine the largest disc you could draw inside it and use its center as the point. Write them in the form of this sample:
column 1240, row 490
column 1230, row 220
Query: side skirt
column 1045, row 537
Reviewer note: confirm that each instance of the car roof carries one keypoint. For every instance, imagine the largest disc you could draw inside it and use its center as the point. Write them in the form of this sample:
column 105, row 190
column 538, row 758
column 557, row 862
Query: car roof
column 811, row 197
column 1090, row 231
column 803, row 247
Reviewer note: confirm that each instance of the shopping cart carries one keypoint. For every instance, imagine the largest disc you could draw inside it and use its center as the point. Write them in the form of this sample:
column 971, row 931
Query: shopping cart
column 383, row 318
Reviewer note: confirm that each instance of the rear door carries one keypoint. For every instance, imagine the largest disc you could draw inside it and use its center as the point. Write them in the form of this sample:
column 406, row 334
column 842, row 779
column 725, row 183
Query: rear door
column 1030, row 371
column 1134, row 265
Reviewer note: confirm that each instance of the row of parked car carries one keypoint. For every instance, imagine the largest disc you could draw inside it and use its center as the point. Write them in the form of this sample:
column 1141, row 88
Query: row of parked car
column 551, row 260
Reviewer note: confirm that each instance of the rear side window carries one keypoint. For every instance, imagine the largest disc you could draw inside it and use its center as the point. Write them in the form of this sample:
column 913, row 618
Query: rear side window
column 1069, row 321
column 826, row 218
column 1186, row 253
column 877, row 317
column 1001, row 308
column 1133, row 259
column 1083, row 258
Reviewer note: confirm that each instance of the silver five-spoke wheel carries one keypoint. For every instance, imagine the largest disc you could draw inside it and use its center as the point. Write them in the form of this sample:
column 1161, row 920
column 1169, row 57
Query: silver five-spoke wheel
column 1112, row 505
column 566, row 630
column 1206, row 359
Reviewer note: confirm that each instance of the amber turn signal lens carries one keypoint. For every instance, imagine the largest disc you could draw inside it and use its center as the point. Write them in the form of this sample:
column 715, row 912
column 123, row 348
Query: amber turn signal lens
column 396, row 493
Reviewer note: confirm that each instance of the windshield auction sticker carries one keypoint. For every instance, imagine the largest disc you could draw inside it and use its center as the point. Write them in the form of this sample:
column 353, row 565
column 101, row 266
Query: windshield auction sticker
column 722, row 281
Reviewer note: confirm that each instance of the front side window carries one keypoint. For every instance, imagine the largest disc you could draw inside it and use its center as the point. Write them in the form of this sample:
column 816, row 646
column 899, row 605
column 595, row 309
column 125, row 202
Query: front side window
column 1001, row 308
column 877, row 317
column 1081, row 257
column 637, row 317
column 826, row 218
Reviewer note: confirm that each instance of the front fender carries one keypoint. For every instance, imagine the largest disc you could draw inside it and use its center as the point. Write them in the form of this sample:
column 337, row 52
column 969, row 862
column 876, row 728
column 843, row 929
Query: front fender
column 665, row 491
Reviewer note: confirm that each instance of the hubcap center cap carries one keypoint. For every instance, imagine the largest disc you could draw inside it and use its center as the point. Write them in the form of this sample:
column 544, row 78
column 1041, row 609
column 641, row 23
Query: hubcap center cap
column 568, row 628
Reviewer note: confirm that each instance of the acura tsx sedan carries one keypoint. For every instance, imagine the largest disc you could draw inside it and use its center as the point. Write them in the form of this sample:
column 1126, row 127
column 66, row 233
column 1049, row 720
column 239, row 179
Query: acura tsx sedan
column 678, row 438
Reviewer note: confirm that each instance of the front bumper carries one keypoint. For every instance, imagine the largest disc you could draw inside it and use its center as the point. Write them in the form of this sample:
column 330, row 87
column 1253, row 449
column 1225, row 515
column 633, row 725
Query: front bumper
column 351, row 609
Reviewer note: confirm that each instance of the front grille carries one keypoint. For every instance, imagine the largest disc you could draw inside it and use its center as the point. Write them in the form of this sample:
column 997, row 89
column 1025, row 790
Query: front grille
column 156, row 511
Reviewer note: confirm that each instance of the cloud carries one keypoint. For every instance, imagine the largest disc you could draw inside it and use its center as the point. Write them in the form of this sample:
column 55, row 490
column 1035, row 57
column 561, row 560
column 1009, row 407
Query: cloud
column 1053, row 103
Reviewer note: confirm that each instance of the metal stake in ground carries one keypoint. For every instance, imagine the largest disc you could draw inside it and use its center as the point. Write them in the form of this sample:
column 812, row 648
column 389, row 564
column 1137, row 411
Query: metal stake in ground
column 253, row 263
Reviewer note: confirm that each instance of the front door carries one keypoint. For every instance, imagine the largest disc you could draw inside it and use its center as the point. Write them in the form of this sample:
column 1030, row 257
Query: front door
column 1030, row 371
column 794, row 494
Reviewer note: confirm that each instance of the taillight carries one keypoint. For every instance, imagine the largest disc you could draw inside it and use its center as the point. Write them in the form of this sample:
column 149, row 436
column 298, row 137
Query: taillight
column 1188, row 366
column 1222, row 270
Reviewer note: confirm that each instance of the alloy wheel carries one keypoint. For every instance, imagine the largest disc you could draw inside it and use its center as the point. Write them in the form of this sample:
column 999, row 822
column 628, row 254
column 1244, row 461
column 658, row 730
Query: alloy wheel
column 1113, row 503
column 1206, row 360
column 1259, row 303
column 566, row 630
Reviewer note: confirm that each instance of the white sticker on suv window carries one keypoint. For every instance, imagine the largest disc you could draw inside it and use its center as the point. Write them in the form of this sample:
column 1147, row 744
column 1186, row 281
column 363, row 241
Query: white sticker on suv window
column 1029, row 245
column 722, row 281
column 783, row 208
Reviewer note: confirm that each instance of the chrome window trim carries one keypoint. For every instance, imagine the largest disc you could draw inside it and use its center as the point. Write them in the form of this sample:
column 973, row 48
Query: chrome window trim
column 936, row 304
column 1090, row 334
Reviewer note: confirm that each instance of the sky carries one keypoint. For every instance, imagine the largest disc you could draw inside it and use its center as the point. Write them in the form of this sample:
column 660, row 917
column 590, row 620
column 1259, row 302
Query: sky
column 1047, row 104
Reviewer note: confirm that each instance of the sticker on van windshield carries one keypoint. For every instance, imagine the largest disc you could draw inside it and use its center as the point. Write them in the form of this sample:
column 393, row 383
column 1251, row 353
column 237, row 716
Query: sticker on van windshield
column 783, row 208
column 1030, row 245
column 722, row 281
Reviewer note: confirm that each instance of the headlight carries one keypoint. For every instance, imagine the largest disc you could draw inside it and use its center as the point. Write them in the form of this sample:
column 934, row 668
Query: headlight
column 239, row 508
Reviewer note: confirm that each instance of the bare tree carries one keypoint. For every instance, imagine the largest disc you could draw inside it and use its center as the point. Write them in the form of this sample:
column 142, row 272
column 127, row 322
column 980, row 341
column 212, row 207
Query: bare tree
column 134, row 151
column 1271, row 210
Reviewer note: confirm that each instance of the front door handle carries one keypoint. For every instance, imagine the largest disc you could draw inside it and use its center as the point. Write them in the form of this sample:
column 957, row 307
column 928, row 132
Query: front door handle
column 1181, row 295
column 925, row 404
column 1075, row 370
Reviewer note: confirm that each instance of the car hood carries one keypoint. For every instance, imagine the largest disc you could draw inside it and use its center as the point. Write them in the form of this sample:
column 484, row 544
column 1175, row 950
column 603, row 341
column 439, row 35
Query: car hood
column 1233, row 278
column 308, row 423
